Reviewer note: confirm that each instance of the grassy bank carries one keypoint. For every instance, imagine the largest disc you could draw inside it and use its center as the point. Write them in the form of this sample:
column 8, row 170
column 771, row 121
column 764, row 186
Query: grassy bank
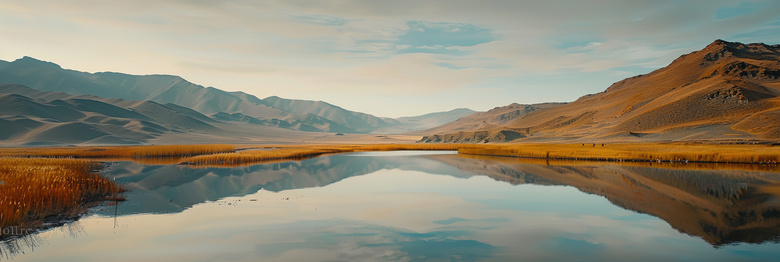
column 705, row 153
column 37, row 188
column 228, row 155
column 261, row 154
column 118, row 151
column 255, row 156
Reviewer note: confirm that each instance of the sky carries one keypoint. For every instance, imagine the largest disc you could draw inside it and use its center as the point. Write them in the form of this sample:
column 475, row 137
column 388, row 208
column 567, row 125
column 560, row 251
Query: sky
column 387, row 58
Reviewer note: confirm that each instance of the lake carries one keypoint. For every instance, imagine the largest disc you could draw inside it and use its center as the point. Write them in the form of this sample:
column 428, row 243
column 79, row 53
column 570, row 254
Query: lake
column 423, row 206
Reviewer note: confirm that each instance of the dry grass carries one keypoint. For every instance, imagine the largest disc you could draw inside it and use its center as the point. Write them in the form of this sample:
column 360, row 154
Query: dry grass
column 709, row 153
column 119, row 151
column 227, row 154
column 254, row 156
column 370, row 147
column 34, row 188
column 297, row 152
column 149, row 161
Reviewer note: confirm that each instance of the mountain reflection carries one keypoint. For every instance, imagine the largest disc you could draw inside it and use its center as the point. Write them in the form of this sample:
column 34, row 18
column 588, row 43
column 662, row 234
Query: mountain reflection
column 408, row 209
column 719, row 206
column 173, row 188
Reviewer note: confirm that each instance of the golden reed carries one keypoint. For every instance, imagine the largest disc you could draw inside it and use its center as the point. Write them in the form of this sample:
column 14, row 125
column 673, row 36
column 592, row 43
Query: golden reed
column 34, row 188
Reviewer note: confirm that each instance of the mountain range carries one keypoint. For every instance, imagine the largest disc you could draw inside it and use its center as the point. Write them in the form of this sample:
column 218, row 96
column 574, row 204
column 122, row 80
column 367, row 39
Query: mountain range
column 726, row 92
column 44, row 104
column 168, row 89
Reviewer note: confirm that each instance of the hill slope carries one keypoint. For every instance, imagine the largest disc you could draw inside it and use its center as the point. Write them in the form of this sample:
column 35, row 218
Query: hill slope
column 413, row 124
column 32, row 117
column 483, row 126
column 29, row 117
column 724, row 92
column 168, row 89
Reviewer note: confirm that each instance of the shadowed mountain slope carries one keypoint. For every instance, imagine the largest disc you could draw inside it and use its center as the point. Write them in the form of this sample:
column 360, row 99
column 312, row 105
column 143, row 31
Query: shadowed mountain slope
column 49, row 118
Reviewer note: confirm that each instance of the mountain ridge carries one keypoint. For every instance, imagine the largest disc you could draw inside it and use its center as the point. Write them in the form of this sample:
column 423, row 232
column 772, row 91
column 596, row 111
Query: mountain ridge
column 171, row 89
column 31, row 117
column 726, row 92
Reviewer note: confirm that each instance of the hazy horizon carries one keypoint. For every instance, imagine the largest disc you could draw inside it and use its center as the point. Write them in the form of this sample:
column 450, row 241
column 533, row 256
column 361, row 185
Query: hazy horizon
column 389, row 59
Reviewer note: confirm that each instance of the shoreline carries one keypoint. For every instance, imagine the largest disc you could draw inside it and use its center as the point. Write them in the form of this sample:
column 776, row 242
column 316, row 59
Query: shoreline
column 759, row 154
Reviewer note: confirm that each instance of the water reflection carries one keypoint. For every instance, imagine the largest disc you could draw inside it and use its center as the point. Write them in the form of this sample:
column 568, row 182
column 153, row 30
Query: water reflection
column 28, row 242
column 174, row 188
column 720, row 206
column 372, row 243
column 413, row 206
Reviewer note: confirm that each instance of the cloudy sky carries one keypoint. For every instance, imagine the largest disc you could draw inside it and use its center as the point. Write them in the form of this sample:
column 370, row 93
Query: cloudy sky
column 388, row 58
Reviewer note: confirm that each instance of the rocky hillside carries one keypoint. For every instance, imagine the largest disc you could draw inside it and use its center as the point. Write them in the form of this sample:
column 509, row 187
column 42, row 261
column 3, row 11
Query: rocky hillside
column 726, row 92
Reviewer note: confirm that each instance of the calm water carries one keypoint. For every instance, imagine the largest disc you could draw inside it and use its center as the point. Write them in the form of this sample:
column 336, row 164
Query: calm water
column 422, row 206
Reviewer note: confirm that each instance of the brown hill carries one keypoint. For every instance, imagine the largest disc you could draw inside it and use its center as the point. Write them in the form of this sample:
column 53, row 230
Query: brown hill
column 724, row 92
column 484, row 126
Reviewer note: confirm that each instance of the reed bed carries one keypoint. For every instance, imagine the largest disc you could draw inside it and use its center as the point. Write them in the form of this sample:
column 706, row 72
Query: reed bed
column 253, row 156
column 705, row 153
column 227, row 154
column 371, row 147
column 298, row 152
column 35, row 188
column 119, row 151
column 149, row 161
column 656, row 152
column 179, row 150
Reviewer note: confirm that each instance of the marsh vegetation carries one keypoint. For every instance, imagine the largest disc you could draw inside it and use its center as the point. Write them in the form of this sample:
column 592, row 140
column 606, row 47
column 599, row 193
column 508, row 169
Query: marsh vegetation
column 37, row 189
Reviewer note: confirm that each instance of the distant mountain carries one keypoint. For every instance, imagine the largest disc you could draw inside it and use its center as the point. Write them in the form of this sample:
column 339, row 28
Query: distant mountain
column 726, row 92
column 30, row 117
column 41, row 118
column 478, row 127
column 359, row 122
column 165, row 89
column 426, row 121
